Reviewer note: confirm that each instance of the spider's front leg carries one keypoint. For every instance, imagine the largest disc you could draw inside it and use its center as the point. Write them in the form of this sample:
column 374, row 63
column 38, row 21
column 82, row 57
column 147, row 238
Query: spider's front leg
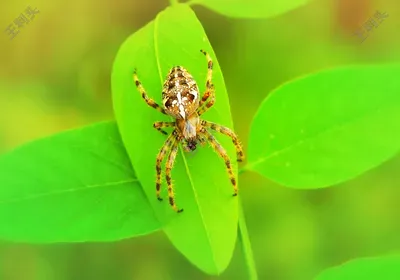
column 160, row 125
column 169, row 165
column 228, row 132
column 160, row 157
column 221, row 152
column 208, row 98
column 148, row 100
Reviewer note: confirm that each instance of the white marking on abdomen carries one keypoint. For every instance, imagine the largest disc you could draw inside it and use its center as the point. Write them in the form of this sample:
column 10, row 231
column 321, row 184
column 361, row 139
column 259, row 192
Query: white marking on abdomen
column 182, row 110
column 194, row 92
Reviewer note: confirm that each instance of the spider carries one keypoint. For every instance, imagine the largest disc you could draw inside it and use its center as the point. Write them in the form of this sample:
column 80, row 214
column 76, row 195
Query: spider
column 181, row 101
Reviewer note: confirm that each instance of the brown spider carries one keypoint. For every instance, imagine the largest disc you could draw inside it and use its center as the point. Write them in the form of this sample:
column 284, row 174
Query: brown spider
column 181, row 101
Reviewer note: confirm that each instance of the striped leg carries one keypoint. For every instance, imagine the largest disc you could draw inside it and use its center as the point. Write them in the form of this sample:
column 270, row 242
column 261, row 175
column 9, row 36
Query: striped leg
column 164, row 150
column 221, row 152
column 148, row 100
column 202, row 139
column 209, row 103
column 169, row 165
column 226, row 131
column 160, row 125
column 208, row 98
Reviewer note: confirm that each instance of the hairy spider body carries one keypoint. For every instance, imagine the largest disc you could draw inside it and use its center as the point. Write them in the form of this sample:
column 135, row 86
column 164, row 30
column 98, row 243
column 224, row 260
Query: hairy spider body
column 181, row 100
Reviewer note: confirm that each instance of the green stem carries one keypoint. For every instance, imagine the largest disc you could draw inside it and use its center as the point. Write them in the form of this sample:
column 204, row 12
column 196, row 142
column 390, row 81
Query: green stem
column 173, row 2
column 246, row 245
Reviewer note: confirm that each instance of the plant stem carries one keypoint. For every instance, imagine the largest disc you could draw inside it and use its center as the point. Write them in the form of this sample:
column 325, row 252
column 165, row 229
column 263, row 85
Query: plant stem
column 246, row 245
column 173, row 2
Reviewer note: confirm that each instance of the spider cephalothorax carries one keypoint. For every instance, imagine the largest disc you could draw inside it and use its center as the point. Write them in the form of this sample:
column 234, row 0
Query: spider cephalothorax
column 181, row 100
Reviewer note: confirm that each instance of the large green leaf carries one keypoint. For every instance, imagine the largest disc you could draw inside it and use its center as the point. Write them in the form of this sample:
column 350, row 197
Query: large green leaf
column 206, row 231
column 378, row 268
column 72, row 187
column 251, row 8
column 327, row 127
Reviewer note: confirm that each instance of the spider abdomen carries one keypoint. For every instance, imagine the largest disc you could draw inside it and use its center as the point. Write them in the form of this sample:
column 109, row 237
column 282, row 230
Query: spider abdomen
column 180, row 93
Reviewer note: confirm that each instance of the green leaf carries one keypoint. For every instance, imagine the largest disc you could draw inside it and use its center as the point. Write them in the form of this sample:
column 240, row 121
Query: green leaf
column 328, row 127
column 72, row 187
column 378, row 268
column 252, row 8
column 206, row 231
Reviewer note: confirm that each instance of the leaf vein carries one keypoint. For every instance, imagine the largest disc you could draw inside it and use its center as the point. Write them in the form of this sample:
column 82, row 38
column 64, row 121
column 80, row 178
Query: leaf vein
column 58, row 192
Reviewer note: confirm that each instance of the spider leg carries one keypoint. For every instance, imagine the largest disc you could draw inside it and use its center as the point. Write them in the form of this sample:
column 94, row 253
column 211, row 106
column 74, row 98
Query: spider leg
column 209, row 104
column 209, row 72
column 148, row 100
column 228, row 132
column 160, row 125
column 164, row 150
column 221, row 152
column 169, row 165
column 202, row 139
column 209, row 95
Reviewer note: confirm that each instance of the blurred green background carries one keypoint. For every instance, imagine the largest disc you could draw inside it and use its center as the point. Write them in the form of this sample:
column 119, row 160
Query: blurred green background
column 55, row 74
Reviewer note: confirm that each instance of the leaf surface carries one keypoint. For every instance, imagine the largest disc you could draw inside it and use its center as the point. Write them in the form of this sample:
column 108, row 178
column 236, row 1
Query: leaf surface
column 251, row 8
column 74, row 186
column 377, row 268
column 327, row 127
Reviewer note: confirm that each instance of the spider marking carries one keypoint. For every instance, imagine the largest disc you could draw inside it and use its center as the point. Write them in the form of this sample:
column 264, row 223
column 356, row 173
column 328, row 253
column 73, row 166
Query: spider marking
column 180, row 97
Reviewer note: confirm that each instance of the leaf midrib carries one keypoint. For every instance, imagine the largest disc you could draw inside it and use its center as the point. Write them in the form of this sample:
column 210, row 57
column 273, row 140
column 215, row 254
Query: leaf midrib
column 254, row 164
column 180, row 146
